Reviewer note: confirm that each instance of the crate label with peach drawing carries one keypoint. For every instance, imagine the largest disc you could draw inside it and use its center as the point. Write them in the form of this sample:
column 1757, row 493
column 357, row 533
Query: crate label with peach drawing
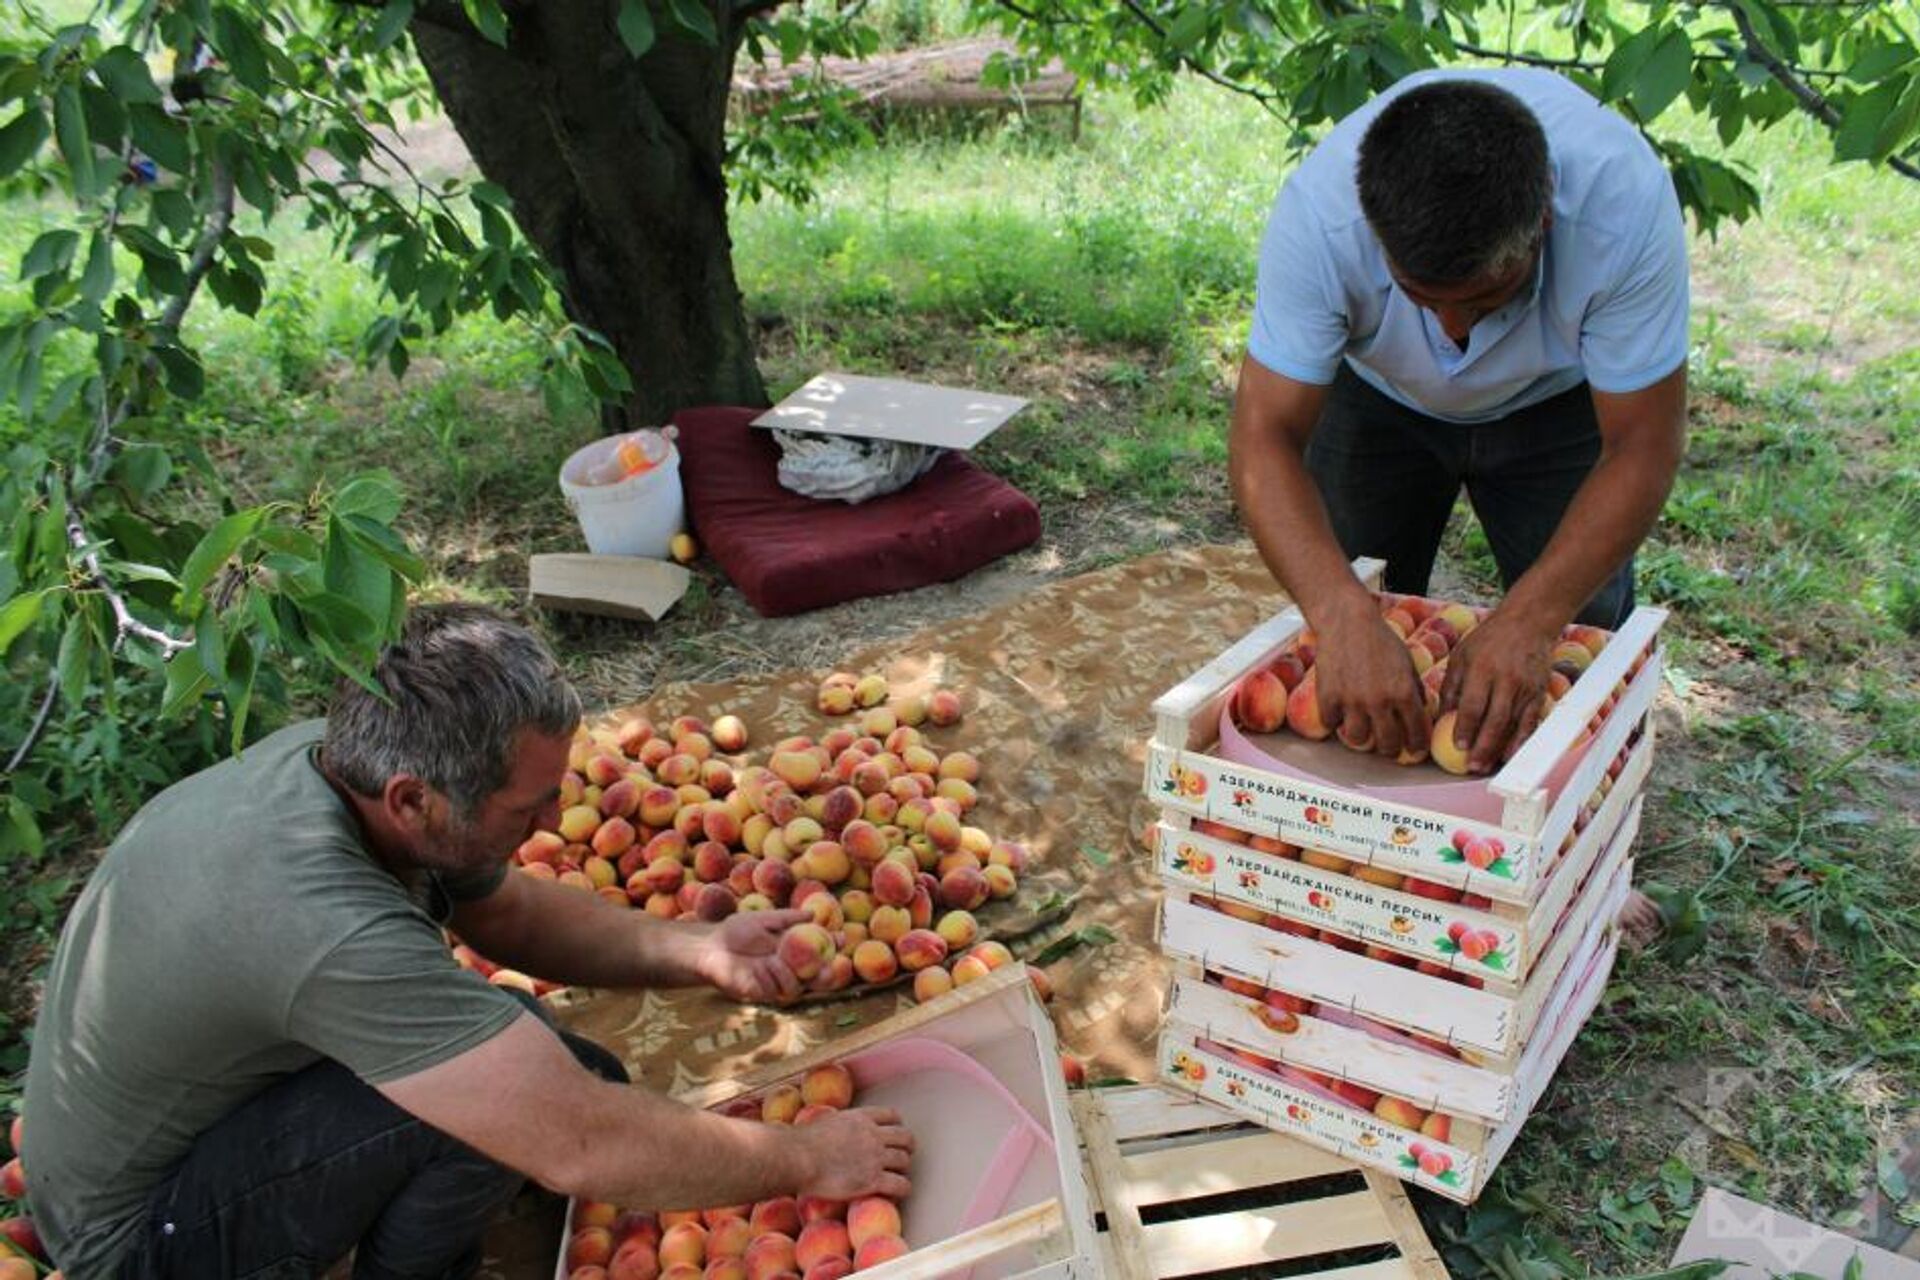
column 1430, row 930
column 1345, row 1130
column 1484, row 858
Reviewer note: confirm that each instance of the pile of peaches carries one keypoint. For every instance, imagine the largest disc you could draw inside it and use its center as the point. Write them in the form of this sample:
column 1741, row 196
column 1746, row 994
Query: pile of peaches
column 1285, row 693
column 21, row 1254
column 785, row 1238
column 867, row 828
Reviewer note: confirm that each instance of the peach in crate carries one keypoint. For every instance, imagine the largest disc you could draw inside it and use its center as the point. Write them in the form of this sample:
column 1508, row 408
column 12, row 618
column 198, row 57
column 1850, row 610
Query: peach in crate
column 1496, row 837
column 997, row 1185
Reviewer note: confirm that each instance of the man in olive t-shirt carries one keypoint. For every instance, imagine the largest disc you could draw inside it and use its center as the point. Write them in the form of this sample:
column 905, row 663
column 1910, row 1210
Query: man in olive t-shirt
column 255, row 1051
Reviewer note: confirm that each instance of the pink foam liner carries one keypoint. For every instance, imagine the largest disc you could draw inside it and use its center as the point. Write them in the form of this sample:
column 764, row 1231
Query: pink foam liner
column 1026, row 1141
column 1469, row 798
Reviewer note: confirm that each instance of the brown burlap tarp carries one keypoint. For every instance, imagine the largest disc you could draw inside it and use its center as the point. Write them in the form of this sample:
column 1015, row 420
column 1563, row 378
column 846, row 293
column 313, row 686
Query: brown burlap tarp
column 1057, row 687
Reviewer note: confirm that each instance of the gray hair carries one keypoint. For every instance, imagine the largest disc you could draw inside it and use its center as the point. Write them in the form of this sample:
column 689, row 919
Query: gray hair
column 461, row 682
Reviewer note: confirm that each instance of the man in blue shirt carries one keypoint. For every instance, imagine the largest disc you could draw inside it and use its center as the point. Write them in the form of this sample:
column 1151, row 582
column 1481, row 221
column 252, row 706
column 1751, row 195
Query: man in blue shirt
column 1478, row 279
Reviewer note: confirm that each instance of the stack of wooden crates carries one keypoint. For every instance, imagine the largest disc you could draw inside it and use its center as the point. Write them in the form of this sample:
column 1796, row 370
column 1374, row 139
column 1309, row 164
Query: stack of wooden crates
column 1410, row 1028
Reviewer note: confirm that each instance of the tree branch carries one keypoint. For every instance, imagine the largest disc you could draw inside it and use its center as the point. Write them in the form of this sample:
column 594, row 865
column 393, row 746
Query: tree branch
column 445, row 14
column 39, row 725
column 1264, row 97
column 1810, row 99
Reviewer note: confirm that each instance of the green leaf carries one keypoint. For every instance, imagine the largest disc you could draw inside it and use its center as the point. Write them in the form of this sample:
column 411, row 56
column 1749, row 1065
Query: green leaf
column 19, row 613
column 160, row 137
column 1863, row 119
column 185, row 378
column 124, row 73
column 70, row 133
column 392, row 22
column 1898, row 126
column 242, row 666
column 21, row 137
column 234, row 35
column 51, row 253
column 96, row 282
column 1892, row 1179
column 213, row 551
column 1188, row 26
column 74, row 663
column 1665, row 74
column 636, row 26
column 142, row 469
column 22, row 832
column 354, row 574
column 1624, row 63
column 186, row 681
column 1880, row 60
column 489, row 18
column 373, row 494
column 696, row 18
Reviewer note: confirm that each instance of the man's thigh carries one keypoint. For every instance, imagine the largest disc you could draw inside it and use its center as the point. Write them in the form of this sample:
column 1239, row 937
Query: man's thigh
column 1388, row 476
column 1523, row 472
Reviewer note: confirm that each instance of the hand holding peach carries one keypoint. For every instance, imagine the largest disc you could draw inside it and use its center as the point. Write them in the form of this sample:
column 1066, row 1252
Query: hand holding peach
column 862, row 1151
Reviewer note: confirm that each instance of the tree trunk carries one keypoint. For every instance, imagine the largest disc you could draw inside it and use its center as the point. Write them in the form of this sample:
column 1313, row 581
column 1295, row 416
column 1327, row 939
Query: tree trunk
column 615, row 166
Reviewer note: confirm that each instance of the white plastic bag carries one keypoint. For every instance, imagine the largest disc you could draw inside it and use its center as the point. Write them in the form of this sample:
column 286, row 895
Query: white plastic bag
column 848, row 468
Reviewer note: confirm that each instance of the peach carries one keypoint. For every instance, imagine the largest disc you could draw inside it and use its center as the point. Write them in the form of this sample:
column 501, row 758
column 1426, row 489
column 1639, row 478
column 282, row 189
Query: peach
column 715, row 902
column 1303, row 710
column 943, row 708
column 621, row 799
column 1438, row 1125
column 837, row 976
column 780, row 1215
column 963, row 765
column 770, row 1255
column 684, row 1243
column 774, row 879
column 931, row 983
column 1398, row 1111
column 825, row 861
column 992, row 954
column 679, row 769
column 878, row 722
column 600, row 871
column 943, row 829
column 683, row 1271
column 806, row 949
column 963, row 889
column 578, row 823
column 1446, row 753
column 1010, row 854
column 864, row 842
column 1326, row 861
column 1459, row 617
column 889, row 924
column 829, row 1269
column 947, row 863
column 958, row 929
column 729, row 733
column 870, row 690
column 857, row 905
column 840, row 806
column 635, row 1259
column 877, row 1250
column 1379, row 875
column 893, row 884
column 712, row 862
column 604, row 769
column 958, row 790
column 589, row 1247
column 1430, row 889
column 718, row 823
column 874, row 961
column 728, row 1237
column 919, row 949
column 819, row 1241
column 1260, row 703
column 1593, row 639
column 830, row 1085
column 814, row 1208
column 658, row 804
column 798, row 769
column 920, row 910
column 724, row 1269
column 541, row 846
column 968, row 969
column 1073, row 1070
column 1001, row 882
column 1041, row 983
column 826, row 912
column 1352, row 738
column 880, row 809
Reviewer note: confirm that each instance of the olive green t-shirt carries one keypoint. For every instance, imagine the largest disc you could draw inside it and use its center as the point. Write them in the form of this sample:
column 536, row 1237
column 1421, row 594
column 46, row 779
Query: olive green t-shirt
column 236, row 932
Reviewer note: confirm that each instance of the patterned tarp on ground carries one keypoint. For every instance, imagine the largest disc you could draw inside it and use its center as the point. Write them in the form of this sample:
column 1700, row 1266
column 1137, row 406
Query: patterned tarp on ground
column 1057, row 687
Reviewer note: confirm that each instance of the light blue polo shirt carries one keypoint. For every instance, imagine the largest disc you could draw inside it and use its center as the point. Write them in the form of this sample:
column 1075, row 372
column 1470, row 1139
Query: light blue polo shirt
column 1608, row 304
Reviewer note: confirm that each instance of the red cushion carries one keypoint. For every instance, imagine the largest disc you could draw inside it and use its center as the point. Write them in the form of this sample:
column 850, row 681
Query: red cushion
column 788, row 553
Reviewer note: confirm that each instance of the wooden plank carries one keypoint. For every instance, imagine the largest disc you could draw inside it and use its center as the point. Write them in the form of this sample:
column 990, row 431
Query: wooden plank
column 1635, row 706
column 1417, row 1254
column 607, row 586
column 1273, row 1234
column 1229, row 1164
column 1124, row 1230
column 1150, row 1111
column 1027, row 1227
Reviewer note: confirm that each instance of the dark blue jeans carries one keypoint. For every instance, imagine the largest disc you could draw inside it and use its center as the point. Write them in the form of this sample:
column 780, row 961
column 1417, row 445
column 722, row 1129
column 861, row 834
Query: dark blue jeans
column 1389, row 477
column 320, row 1164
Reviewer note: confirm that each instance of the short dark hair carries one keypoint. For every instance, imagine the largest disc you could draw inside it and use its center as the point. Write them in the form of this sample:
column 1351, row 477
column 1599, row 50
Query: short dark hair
column 461, row 682
column 1454, row 180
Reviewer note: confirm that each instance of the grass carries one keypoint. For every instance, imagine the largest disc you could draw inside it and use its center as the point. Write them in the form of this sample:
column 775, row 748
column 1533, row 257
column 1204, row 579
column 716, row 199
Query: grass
column 1110, row 280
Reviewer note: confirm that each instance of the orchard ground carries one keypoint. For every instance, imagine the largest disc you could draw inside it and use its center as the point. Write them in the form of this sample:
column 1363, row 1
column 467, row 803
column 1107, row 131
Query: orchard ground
column 1109, row 280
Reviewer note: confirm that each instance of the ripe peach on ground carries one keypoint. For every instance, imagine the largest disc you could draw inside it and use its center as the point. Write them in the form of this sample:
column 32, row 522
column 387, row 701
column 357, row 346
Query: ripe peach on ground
column 715, row 902
column 729, row 733
column 863, row 841
column 874, row 961
column 919, row 949
column 798, row 769
column 889, row 924
column 943, row 708
column 947, row 863
column 725, row 1269
column 943, row 829
column 775, row 879
column 920, row 910
column 958, row 929
column 1010, row 854
column 893, row 884
column 958, row 790
column 1042, row 984
column 963, row 889
column 1001, row 882
column 969, row 969
column 878, row 1250
column 826, row 912
column 837, row 976
column 993, row 954
column 576, row 880
column 578, row 823
column 600, row 872
column 806, row 949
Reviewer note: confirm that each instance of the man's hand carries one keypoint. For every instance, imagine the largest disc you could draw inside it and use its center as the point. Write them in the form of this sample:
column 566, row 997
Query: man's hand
column 1367, row 686
column 1496, row 681
column 864, row 1151
column 739, row 956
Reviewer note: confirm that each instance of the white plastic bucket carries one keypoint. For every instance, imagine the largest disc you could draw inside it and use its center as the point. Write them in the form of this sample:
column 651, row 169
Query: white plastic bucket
column 637, row 516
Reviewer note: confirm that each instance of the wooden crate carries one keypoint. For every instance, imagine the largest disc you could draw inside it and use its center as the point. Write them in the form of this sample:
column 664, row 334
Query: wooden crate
column 1403, row 922
column 1048, row 1232
column 1184, row 1189
column 1457, row 1167
column 1617, row 691
column 1495, row 1019
column 1469, row 1086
